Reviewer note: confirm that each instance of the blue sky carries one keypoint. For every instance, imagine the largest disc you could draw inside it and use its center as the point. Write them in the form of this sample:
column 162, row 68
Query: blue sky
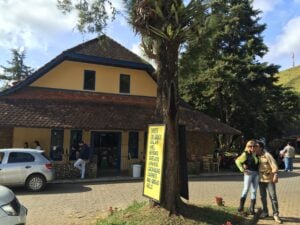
column 40, row 28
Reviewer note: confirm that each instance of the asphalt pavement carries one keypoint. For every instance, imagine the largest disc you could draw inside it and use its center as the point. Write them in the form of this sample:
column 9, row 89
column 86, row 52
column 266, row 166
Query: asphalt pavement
column 80, row 202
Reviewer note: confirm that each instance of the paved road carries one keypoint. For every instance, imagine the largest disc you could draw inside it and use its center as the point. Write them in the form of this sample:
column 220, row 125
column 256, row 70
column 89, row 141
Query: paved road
column 81, row 203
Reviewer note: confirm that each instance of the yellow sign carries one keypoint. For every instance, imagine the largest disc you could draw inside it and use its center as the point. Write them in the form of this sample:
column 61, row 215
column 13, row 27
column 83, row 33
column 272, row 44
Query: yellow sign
column 154, row 161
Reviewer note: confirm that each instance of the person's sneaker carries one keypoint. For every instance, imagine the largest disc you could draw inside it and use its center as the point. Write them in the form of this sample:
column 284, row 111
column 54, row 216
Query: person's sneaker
column 277, row 219
column 264, row 215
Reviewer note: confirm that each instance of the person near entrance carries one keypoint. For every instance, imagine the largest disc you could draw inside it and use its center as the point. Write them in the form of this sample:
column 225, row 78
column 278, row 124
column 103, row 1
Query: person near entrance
column 84, row 155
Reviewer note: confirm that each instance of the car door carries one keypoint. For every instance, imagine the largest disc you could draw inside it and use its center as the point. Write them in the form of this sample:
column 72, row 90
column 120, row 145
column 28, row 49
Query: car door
column 17, row 168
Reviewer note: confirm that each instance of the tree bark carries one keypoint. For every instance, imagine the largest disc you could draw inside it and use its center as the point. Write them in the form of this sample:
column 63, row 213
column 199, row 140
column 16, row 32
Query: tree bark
column 167, row 113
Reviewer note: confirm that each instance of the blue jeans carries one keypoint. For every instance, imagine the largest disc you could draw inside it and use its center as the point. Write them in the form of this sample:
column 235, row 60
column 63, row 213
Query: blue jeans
column 288, row 163
column 250, row 180
column 271, row 188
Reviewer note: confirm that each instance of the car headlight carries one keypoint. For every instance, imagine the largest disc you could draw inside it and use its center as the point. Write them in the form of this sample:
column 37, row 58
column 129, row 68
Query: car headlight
column 9, row 210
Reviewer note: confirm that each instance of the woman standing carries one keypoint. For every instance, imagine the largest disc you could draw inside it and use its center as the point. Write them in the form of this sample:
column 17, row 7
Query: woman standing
column 248, row 164
column 268, row 177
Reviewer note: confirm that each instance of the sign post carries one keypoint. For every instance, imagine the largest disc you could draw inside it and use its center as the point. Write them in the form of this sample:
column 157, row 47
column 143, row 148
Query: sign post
column 154, row 162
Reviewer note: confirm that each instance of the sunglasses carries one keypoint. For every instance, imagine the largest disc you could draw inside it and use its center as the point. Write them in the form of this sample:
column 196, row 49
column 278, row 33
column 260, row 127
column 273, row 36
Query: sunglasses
column 251, row 146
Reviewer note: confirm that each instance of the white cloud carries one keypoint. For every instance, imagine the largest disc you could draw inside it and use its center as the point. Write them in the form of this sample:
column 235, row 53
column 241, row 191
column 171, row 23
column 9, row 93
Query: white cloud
column 266, row 5
column 288, row 41
column 119, row 5
column 137, row 49
column 32, row 23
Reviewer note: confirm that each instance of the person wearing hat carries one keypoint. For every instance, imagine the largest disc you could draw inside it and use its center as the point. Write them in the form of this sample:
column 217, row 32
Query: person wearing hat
column 268, row 177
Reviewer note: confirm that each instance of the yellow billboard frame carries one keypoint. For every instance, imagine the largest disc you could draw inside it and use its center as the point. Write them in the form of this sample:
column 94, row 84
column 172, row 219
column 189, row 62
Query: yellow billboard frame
column 154, row 161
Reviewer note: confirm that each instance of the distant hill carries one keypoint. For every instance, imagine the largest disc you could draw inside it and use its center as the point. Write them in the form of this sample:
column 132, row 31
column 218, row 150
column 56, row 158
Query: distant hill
column 290, row 78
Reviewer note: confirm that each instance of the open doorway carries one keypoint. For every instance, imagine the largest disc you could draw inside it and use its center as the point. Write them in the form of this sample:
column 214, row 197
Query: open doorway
column 107, row 146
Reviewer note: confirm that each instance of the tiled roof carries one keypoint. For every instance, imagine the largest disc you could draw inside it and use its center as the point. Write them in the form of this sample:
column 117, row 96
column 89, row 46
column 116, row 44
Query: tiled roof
column 106, row 47
column 198, row 121
column 48, row 108
column 61, row 114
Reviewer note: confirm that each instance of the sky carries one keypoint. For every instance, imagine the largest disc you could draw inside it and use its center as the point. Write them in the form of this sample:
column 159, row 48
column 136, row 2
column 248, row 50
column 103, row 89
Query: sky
column 39, row 28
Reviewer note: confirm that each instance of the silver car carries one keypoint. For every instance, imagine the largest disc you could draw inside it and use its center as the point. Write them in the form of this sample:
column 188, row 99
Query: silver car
column 29, row 167
column 11, row 211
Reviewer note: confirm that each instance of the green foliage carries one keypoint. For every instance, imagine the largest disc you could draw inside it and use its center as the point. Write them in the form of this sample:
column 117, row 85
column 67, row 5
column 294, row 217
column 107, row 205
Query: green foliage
column 171, row 21
column 222, row 75
column 92, row 16
column 290, row 78
column 18, row 71
column 141, row 213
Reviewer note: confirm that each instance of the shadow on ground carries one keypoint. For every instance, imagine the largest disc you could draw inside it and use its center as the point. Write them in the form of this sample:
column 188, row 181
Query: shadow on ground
column 211, row 215
column 53, row 189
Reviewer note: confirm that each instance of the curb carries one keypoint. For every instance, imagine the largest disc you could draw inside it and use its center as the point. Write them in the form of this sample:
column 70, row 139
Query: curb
column 134, row 179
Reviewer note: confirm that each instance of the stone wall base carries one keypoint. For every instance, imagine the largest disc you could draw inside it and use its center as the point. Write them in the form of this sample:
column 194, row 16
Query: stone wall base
column 68, row 171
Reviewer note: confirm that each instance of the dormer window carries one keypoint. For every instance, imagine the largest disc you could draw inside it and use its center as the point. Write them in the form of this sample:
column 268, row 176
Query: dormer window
column 89, row 80
column 124, row 84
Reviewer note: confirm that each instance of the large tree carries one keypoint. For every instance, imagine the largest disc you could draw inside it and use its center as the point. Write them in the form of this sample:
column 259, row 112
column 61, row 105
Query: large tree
column 17, row 71
column 225, row 77
column 163, row 25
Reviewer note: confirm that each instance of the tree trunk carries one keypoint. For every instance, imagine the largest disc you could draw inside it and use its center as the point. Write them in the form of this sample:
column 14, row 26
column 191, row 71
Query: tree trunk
column 166, row 112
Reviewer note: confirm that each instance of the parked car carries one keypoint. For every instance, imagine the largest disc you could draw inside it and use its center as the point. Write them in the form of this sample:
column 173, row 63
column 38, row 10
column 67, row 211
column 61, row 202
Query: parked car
column 11, row 211
column 29, row 167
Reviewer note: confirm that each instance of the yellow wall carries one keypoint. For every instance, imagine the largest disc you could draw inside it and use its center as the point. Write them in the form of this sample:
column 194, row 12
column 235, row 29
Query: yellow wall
column 125, row 162
column 67, row 136
column 86, row 136
column 29, row 135
column 69, row 75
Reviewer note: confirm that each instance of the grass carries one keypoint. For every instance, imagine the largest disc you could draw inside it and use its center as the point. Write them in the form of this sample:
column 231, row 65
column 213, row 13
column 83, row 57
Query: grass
column 290, row 78
column 140, row 213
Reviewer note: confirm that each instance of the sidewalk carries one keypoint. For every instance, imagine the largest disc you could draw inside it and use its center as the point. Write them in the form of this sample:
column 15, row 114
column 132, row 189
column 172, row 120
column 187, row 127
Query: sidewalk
column 287, row 190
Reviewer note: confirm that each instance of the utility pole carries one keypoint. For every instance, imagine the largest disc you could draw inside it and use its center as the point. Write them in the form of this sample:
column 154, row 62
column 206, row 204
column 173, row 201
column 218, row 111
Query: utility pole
column 293, row 58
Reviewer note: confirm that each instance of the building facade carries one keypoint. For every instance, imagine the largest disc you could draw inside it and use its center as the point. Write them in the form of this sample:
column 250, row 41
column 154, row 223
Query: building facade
column 101, row 93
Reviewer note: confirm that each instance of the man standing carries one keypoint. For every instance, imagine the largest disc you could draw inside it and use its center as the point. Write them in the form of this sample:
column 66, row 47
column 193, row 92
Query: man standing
column 289, row 153
column 268, row 177
column 84, row 154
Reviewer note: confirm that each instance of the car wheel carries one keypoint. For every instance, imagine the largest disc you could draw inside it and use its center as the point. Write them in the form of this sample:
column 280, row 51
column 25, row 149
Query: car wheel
column 35, row 182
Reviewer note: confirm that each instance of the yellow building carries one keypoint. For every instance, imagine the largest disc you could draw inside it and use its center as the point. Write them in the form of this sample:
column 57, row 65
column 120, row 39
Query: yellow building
column 99, row 92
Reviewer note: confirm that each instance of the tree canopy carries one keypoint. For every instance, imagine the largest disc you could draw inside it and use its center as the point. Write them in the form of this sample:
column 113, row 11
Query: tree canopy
column 17, row 71
column 223, row 74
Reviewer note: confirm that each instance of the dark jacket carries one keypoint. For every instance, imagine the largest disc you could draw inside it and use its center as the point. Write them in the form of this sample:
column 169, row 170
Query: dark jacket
column 85, row 152
column 247, row 161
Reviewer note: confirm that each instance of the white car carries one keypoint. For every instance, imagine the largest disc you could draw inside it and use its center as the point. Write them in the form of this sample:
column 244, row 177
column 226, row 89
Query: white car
column 11, row 211
column 29, row 167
